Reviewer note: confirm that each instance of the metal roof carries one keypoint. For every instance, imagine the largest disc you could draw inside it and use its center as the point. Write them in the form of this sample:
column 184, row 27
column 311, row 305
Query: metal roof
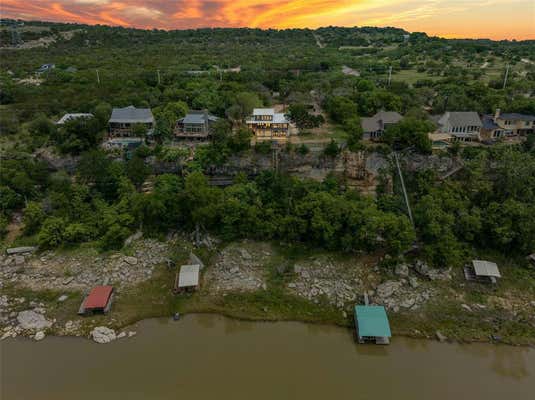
column 68, row 117
column 189, row 275
column 132, row 114
column 98, row 297
column 488, row 122
column 461, row 118
column 486, row 268
column 377, row 122
column 263, row 111
column 372, row 321
column 197, row 117
column 517, row 117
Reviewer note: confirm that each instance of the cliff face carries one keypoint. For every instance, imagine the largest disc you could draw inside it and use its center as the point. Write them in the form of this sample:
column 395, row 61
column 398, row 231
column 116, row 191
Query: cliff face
column 361, row 170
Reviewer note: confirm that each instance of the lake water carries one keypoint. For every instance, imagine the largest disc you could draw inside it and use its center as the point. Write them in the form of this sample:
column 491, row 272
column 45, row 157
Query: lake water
column 212, row 357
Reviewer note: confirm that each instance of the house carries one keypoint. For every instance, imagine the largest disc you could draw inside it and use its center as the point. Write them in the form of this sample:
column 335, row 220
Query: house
column 123, row 121
column 371, row 324
column 98, row 300
column 507, row 125
column 70, row 117
column 374, row 127
column 196, row 125
column 464, row 126
column 187, row 280
column 266, row 124
column 483, row 271
column 45, row 68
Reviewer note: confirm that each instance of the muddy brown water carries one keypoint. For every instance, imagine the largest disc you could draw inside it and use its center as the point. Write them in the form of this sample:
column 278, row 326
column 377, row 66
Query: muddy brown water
column 212, row 357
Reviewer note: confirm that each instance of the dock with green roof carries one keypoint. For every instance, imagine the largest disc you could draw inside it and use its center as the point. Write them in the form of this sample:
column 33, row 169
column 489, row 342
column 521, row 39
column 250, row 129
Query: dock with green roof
column 371, row 323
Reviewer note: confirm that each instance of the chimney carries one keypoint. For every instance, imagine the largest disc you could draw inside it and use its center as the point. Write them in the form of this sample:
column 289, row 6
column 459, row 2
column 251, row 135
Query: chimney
column 497, row 114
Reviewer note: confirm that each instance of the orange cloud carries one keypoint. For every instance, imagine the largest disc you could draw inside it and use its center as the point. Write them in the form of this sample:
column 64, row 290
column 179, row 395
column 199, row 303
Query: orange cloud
column 496, row 19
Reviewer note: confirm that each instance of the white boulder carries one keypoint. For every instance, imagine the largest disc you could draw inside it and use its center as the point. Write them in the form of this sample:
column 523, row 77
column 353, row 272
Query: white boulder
column 30, row 319
column 103, row 334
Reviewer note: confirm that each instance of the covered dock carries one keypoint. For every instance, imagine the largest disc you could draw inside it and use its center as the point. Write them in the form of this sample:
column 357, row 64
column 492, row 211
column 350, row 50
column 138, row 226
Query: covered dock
column 483, row 271
column 371, row 324
column 187, row 279
column 99, row 299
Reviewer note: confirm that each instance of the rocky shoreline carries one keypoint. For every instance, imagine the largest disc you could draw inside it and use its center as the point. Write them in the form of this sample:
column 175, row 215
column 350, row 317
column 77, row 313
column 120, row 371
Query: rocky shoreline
column 62, row 279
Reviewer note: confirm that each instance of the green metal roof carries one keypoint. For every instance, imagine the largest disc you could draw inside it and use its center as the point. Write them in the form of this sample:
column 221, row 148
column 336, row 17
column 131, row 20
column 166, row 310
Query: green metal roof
column 372, row 321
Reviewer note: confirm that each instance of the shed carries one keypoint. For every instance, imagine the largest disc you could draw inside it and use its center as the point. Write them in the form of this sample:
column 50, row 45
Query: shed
column 371, row 323
column 483, row 271
column 188, row 278
column 99, row 299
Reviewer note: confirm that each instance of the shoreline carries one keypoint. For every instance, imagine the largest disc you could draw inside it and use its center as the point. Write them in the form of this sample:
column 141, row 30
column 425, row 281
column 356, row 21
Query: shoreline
column 262, row 282
column 250, row 319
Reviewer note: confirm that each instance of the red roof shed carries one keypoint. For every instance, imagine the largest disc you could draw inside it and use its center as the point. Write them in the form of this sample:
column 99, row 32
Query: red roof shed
column 98, row 297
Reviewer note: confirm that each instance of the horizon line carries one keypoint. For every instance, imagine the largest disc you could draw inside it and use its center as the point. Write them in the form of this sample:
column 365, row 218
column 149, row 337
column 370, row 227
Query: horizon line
column 148, row 28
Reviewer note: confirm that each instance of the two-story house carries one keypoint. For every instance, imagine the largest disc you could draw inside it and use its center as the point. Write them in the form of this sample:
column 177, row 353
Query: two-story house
column 266, row 124
column 507, row 124
column 196, row 125
column 463, row 126
column 374, row 127
column 124, row 121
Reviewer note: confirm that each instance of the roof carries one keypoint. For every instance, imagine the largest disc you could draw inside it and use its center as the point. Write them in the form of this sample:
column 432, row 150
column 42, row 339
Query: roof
column 98, row 297
column 68, row 117
column 488, row 122
column 516, row 116
column 378, row 121
column 189, row 275
column 278, row 118
column 263, row 111
column 486, row 268
column 132, row 114
column 461, row 118
column 372, row 321
column 197, row 117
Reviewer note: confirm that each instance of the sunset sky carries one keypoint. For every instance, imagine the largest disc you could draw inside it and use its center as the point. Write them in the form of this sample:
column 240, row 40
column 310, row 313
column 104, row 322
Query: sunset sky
column 496, row 19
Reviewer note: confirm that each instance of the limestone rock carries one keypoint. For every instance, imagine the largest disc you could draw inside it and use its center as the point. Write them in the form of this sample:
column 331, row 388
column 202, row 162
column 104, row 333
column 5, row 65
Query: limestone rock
column 103, row 334
column 466, row 307
column 30, row 319
column 387, row 289
column 402, row 270
column 413, row 282
column 39, row 336
column 440, row 336
column 130, row 260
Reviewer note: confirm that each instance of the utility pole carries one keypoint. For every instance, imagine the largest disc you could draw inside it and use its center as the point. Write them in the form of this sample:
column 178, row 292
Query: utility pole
column 159, row 80
column 506, row 76
column 389, row 75
column 98, row 78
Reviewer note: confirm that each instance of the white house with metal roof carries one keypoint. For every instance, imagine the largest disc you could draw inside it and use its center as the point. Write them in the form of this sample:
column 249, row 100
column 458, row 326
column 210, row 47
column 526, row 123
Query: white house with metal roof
column 123, row 121
column 464, row 126
column 267, row 124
